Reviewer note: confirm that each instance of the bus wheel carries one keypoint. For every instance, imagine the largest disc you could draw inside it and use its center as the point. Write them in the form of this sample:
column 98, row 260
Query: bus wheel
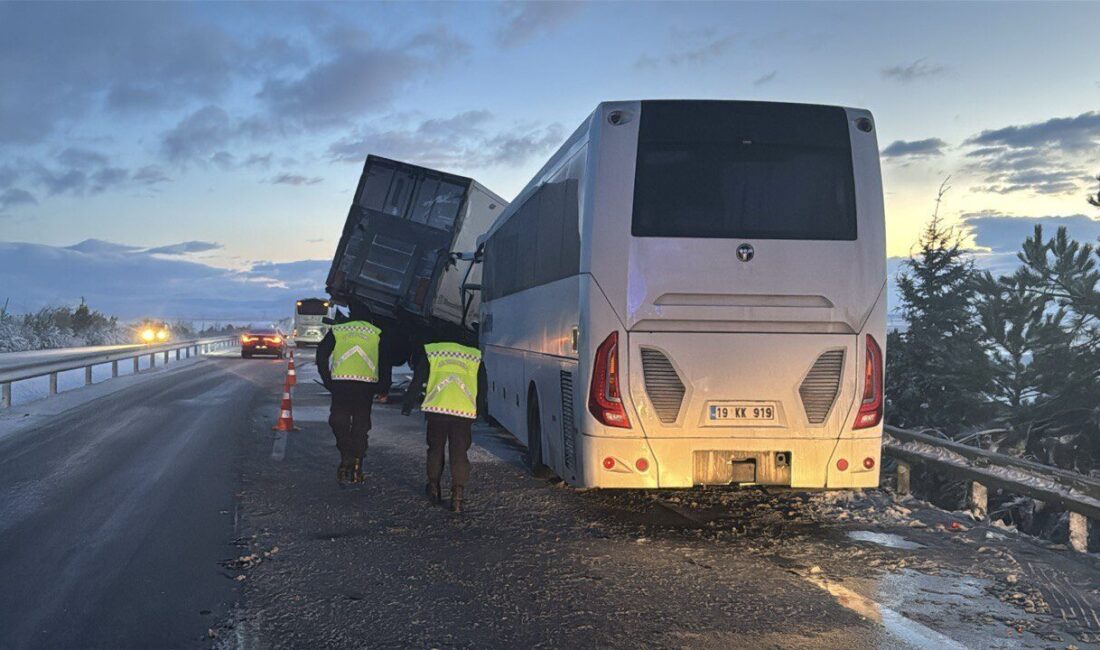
column 534, row 438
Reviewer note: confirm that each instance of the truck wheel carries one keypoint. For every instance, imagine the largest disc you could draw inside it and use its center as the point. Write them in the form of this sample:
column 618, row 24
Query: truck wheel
column 534, row 438
column 246, row 355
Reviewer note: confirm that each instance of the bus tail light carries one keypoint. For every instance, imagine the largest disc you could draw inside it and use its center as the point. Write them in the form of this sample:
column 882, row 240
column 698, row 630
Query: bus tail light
column 604, row 395
column 870, row 409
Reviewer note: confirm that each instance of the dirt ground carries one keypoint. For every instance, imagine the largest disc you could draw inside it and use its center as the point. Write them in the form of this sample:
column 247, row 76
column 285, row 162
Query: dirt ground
column 535, row 563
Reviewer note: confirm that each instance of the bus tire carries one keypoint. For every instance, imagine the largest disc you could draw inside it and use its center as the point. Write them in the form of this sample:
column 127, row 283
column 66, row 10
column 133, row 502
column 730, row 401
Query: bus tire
column 534, row 438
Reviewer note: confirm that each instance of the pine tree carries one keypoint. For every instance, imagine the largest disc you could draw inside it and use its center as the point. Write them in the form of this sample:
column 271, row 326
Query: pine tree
column 940, row 375
column 1067, row 367
column 1023, row 339
column 82, row 318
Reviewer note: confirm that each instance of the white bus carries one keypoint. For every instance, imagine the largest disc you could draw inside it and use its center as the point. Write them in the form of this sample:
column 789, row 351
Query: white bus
column 309, row 326
column 693, row 293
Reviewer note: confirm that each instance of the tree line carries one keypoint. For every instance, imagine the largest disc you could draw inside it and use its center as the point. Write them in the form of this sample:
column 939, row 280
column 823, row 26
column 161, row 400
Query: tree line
column 1011, row 361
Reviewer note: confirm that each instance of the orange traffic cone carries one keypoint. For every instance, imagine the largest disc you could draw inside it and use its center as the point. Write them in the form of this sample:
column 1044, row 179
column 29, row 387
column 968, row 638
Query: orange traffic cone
column 286, row 412
column 291, row 373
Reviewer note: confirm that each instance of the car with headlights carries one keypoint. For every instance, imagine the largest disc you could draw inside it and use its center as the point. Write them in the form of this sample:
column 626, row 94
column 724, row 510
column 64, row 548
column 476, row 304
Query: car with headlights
column 263, row 341
column 153, row 331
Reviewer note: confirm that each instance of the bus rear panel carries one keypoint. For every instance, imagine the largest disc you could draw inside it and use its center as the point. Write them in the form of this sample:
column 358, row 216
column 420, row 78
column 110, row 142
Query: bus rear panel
column 309, row 326
column 730, row 302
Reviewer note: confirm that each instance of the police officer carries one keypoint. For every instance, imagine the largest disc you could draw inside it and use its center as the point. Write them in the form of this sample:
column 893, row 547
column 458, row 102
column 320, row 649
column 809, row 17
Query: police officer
column 351, row 369
column 450, row 407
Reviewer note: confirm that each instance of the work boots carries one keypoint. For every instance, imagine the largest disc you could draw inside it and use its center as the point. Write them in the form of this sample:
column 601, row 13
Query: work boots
column 435, row 494
column 355, row 470
column 343, row 472
column 456, row 498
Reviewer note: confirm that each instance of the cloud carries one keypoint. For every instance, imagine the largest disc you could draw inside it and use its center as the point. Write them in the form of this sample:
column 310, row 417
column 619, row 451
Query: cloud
column 63, row 61
column 90, row 175
column 691, row 47
column 1048, row 157
column 765, row 79
column 14, row 197
column 461, row 142
column 70, row 181
column 359, row 78
column 132, row 282
column 699, row 46
column 914, row 148
column 997, row 233
column 81, row 158
column 196, row 134
column 8, row 175
column 184, row 248
column 525, row 21
column 295, row 179
column 257, row 160
column 1076, row 134
column 919, row 69
column 150, row 175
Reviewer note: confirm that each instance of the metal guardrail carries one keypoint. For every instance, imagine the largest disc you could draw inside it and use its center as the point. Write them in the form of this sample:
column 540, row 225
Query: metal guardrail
column 31, row 368
column 1076, row 493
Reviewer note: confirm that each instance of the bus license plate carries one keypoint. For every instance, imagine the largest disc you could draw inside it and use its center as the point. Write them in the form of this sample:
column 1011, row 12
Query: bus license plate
column 743, row 412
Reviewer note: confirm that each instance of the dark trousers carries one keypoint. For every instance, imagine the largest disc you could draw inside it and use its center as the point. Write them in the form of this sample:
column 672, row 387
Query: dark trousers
column 453, row 432
column 349, row 417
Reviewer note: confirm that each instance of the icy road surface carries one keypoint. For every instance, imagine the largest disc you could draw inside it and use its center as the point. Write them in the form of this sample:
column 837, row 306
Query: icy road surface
column 162, row 511
column 536, row 564
column 117, row 505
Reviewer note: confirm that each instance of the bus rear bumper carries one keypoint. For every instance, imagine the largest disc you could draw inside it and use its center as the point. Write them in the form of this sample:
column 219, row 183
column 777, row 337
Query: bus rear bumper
column 688, row 462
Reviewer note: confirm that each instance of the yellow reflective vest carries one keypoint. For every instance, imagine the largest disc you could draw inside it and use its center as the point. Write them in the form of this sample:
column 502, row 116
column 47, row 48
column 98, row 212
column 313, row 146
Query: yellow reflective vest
column 355, row 355
column 452, row 380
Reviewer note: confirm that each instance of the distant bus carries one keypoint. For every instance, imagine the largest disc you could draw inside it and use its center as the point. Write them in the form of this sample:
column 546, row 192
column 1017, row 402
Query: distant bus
column 693, row 293
column 308, row 327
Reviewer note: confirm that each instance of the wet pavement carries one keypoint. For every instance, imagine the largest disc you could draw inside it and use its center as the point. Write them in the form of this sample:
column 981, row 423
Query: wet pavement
column 117, row 503
column 535, row 563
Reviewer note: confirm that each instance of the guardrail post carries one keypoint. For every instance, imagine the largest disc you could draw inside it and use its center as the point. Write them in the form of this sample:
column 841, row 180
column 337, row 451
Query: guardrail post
column 153, row 360
column 979, row 500
column 1078, row 532
column 137, row 365
column 87, row 375
column 177, row 354
column 166, row 357
column 114, row 369
column 5, row 395
column 53, row 383
column 903, row 479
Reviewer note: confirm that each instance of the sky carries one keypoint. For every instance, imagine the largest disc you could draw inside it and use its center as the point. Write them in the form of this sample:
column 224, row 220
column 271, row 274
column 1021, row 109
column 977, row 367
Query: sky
column 214, row 147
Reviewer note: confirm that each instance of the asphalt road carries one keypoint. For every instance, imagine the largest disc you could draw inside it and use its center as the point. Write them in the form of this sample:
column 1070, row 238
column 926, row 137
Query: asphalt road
column 167, row 514
column 115, row 515
column 537, row 564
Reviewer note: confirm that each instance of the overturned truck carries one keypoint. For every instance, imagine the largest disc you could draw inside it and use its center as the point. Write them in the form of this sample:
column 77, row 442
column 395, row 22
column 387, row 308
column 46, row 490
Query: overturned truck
column 408, row 252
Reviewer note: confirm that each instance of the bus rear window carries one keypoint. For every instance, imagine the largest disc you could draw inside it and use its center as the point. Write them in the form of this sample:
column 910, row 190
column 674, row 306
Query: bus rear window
column 744, row 170
column 313, row 308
